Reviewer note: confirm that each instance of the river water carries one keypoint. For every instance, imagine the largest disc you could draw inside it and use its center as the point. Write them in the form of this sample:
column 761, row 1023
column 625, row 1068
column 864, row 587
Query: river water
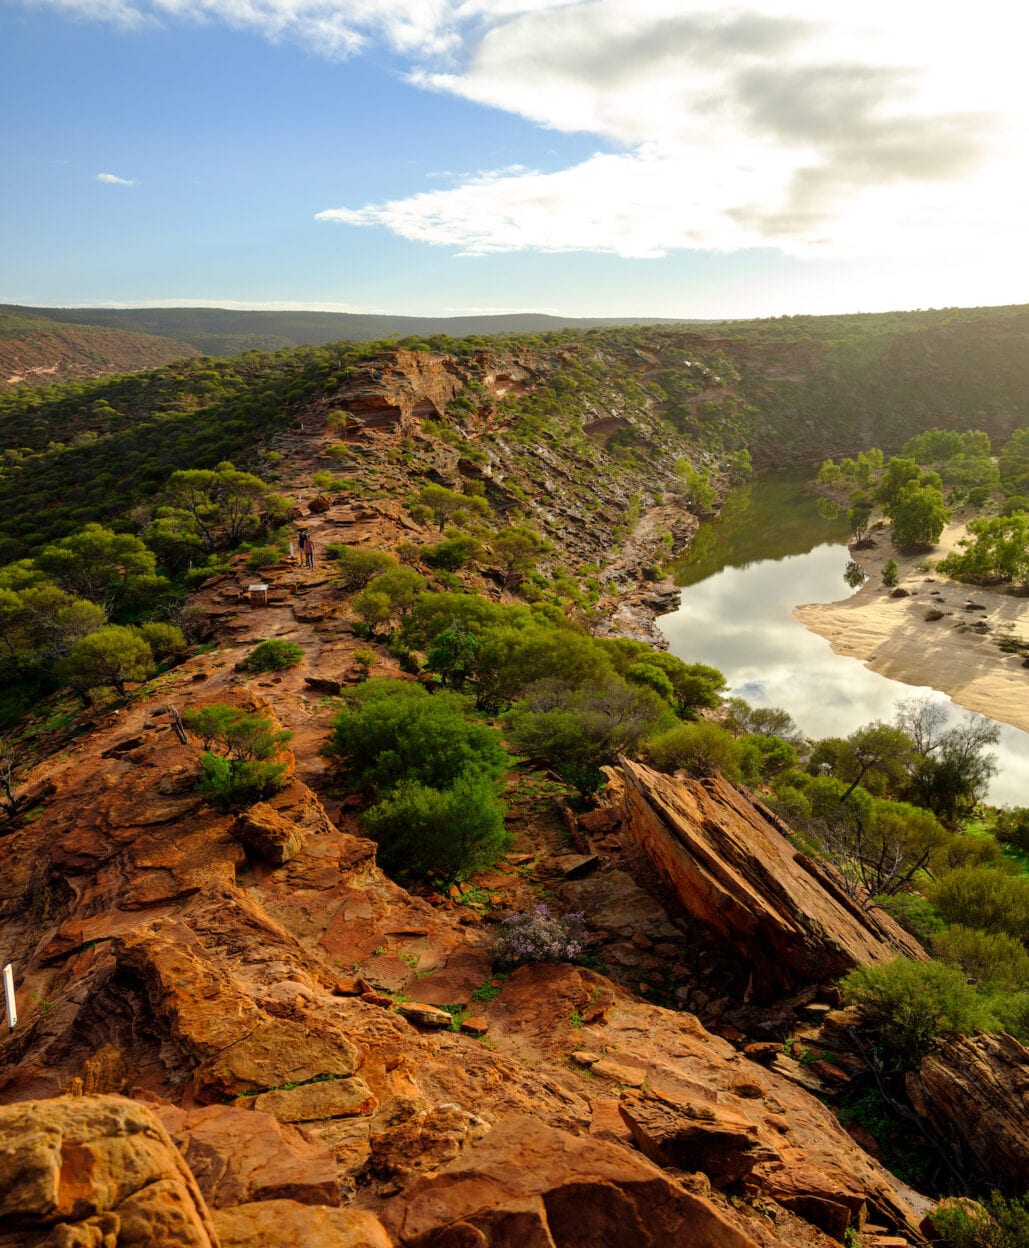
column 769, row 551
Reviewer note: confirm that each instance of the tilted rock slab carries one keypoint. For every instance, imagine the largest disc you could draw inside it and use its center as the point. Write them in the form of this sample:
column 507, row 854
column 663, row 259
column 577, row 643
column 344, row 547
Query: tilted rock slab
column 974, row 1091
column 732, row 868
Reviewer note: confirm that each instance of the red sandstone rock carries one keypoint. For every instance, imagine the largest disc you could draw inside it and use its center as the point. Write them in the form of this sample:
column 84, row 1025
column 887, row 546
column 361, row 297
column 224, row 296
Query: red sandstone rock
column 266, row 833
column 287, row 1224
column 95, row 1171
column 238, row 1156
column 974, row 1091
column 530, row 1186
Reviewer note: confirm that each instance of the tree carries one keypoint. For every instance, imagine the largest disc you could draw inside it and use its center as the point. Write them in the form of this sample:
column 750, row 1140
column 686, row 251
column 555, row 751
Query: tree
column 245, row 766
column 446, row 504
column 918, row 514
column 221, row 501
column 701, row 749
column 517, row 549
column 111, row 656
column 452, row 654
column 444, row 832
column 890, row 573
column 357, row 565
column 391, row 594
column 983, row 898
column 578, row 731
column 97, row 563
column 998, row 548
column 912, row 1004
column 954, row 772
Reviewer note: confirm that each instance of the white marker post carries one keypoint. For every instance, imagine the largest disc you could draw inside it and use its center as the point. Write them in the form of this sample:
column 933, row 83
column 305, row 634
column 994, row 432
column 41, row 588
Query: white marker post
column 12, row 1009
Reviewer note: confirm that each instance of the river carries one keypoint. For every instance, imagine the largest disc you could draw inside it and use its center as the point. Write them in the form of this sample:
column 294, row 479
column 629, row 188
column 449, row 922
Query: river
column 769, row 551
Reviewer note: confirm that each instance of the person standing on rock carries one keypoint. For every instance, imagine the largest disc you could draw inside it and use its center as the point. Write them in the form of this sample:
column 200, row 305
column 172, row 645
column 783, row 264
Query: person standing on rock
column 307, row 550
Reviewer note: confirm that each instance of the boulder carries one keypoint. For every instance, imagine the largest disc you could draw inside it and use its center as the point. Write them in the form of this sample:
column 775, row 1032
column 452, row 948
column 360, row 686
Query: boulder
column 727, row 860
column 268, row 834
column 95, row 1171
column 311, row 1102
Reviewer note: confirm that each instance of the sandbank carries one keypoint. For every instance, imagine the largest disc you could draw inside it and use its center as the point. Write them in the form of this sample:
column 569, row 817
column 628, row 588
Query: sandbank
column 953, row 653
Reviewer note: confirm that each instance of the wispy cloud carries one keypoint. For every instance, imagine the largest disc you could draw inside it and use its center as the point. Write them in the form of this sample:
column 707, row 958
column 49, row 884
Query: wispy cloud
column 112, row 179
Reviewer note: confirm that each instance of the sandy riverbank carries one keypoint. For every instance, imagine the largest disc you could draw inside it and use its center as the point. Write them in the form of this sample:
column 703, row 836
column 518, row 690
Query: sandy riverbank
column 893, row 637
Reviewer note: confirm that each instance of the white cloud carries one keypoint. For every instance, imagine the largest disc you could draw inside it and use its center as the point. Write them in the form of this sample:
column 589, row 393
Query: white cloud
column 792, row 124
column 111, row 179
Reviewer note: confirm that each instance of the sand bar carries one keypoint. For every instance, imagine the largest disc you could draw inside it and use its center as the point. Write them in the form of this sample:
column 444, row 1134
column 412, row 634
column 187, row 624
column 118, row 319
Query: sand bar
column 952, row 654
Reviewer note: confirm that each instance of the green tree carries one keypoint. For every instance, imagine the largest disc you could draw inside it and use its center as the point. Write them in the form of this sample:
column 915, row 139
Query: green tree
column 357, row 565
column 111, row 656
column 988, row 900
column 918, row 514
column 446, row 505
column 890, row 573
column 517, row 550
column 97, row 563
column 701, row 749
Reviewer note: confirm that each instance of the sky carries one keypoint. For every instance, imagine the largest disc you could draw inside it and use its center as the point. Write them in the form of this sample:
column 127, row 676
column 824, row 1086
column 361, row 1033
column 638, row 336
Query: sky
column 617, row 158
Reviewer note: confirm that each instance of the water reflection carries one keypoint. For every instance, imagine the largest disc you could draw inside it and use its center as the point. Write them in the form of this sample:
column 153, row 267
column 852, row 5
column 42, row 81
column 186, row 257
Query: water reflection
column 741, row 621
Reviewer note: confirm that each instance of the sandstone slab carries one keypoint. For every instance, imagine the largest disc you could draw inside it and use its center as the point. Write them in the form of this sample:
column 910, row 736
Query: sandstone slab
column 332, row 1098
column 287, row 1224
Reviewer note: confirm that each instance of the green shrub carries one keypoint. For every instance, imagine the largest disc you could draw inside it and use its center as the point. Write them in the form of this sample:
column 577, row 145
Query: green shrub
column 357, row 566
column 262, row 556
column 112, row 656
column 890, row 573
column 913, row 913
column 701, row 748
column 996, row 1222
column 912, row 1004
column 164, row 640
column 994, row 959
column 273, row 656
column 444, row 832
column 986, row 899
column 235, row 782
column 394, row 731
column 246, row 768
column 453, row 553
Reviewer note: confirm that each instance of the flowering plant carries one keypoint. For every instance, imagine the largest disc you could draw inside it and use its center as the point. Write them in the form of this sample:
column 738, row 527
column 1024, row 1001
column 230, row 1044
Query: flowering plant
column 539, row 936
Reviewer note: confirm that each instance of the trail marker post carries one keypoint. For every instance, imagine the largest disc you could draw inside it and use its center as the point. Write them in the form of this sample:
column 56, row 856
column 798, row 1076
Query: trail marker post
column 12, row 1009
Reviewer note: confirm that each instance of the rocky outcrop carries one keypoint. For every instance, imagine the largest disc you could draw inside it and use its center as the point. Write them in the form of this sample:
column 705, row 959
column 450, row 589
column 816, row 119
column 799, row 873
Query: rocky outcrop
column 529, row 1186
column 974, row 1093
column 96, row 1172
column 728, row 862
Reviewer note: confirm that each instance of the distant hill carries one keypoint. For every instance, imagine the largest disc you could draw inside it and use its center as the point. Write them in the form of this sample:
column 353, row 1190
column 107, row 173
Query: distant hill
column 37, row 350
column 223, row 331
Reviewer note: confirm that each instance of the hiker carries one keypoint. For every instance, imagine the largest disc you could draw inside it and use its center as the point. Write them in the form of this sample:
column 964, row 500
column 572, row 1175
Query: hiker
column 307, row 550
column 301, row 539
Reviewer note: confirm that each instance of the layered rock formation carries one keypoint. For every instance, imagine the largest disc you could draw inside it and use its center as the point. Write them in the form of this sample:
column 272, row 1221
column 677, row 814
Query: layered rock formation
column 729, row 863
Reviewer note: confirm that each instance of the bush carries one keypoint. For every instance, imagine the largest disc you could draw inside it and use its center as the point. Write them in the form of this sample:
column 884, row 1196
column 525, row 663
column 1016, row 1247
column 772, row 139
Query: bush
column 701, row 748
column 164, row 640
column 110, row 656
column 539, row 936
column 994, row 959
column 393, row 731
column 912, row 1004
column 443, row 832
column 358, row 566
column 452, row 554
column 262, row 556
column 890, row 573
column 273, row 656
column 985, row 899
column 236, row 782
column 996, row 1222
column 913, row 913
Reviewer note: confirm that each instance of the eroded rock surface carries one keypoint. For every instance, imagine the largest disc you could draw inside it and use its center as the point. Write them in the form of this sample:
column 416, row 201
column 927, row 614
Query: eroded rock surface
column 974, row 1092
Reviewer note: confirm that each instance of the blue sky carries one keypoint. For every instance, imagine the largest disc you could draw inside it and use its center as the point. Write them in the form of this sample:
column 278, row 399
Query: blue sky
column 584, row 157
